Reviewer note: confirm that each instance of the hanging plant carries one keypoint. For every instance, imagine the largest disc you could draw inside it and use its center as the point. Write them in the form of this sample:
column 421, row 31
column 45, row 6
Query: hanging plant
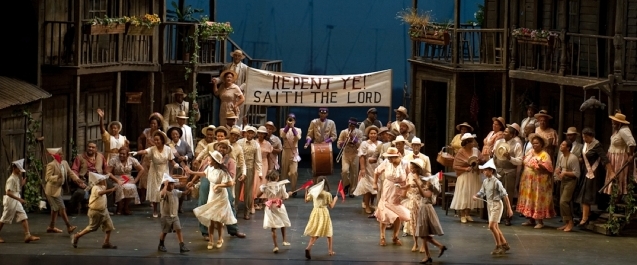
column 33, row 186
column 192, row 122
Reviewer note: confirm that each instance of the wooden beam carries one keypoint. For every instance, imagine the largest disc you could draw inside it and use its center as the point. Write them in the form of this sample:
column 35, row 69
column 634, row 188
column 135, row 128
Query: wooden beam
column 512, row 103
column 76, row 108
column 560, row 126
column 77, row 15
column 151, row 84
column 503, row 106
column 118, row 95
column 552, row 79
column 456, row 37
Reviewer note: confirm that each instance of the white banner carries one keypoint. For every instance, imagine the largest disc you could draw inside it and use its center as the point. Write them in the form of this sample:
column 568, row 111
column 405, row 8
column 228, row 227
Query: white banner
column 268, row 88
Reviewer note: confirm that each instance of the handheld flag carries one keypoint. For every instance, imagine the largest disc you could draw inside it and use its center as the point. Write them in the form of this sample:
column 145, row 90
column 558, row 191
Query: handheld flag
column 440, row 175
column 340, row 189
column 305, row 185
column 125, row 178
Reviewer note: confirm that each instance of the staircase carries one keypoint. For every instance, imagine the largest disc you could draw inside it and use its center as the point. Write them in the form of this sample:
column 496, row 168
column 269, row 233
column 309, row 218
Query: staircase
column 599, row 225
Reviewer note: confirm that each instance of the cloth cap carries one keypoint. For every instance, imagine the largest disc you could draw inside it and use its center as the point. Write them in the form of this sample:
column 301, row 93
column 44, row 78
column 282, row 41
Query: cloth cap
column 94, row 178
column 372, row 110
column 467, row 136
column 488, row 164
column 19, row 164
column 168, row 178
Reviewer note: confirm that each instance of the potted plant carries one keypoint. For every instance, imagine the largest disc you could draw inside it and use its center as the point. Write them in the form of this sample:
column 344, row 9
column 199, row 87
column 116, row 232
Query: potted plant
column 105, row 25
column 535, row 36
column 142, row 25
column 214, row 30
column 422, row 29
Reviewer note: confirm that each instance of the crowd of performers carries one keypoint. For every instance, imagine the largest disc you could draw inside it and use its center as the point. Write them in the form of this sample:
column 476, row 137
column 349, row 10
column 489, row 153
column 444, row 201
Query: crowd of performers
column 241, row 165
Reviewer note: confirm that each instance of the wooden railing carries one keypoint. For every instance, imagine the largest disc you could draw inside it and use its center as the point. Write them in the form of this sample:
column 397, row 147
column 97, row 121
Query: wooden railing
column 179, row 46
column 59, row 45
column 589, row 55
column 537, row 54
column 477, row 47
column 630, row 61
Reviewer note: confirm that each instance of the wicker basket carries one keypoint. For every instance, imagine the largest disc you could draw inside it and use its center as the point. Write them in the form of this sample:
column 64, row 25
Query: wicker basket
column 444, row 158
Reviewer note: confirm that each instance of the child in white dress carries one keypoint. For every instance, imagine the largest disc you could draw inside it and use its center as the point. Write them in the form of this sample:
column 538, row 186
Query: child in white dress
column 275, row 215
column 12, row 203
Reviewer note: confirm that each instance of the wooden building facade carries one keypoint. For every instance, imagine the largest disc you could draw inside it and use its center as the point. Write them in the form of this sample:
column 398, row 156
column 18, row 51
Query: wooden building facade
column 486, row 71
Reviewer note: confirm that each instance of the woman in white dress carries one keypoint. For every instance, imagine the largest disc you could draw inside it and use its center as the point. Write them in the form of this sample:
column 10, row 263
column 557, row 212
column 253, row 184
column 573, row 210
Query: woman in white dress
column 111, row 137
column 365, row 185
column 160, row 157
column 217, row 211
column 466, row 166
column 275, row 215
column 121, row 168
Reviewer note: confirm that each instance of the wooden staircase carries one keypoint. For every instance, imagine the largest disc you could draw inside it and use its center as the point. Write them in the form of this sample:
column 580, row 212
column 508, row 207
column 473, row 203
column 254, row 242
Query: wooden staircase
column 600, row 224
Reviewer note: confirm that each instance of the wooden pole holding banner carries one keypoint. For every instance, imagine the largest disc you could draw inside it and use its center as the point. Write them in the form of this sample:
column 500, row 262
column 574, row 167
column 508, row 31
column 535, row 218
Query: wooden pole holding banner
column 391, row 84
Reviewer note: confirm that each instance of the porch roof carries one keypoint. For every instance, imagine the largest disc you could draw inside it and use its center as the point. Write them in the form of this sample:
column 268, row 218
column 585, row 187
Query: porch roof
column 17, row 92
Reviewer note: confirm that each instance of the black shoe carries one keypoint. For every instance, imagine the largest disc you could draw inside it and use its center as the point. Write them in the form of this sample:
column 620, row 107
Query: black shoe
column 352, row 196
column 507, row 222
column 428, row 261
column 307, row 254
column 182, row 248
column 293, row 194
column 162, row 248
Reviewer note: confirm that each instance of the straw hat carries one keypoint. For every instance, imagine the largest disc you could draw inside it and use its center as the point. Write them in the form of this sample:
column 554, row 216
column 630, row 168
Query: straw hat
column 501, row 149
column 391, row 152
column 179, row 130
column 402, row 110
column 467, row 136
column 464, row 124
column 235, row 130
column 226, row 142
column 237, row 51
column 250, row 128
column 418, row 162
column 515, row 126
column 168, row 178
column 400, row 138
column 221, row 128
column 373, row 127
column 216, row 156
column 204, row 131
column 53, row 151
column 571, row 130
column 500, row 120
column 381, row 130
column 179, row 91
column 110, row 125
column 488, row 164
column 162, row 135
column 619, row 117
column 94, row 178
column 270, row 123
column 409, row 124
column 19, row 164
column 473, row 161
column 543, row 113
column 234, row 75
column 158, row 116
column 182, row 115
column 231, row 115
column 262, row 129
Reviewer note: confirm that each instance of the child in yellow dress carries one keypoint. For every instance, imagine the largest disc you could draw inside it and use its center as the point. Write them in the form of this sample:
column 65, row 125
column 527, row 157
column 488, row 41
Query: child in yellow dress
column 320, row 223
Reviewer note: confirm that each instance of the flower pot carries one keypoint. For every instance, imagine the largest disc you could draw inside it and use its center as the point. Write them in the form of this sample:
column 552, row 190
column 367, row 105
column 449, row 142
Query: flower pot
column 139, row 30
column 186, row 57
column 431, row 38
column 104, row 29
column 550, row 41
column 134, row 97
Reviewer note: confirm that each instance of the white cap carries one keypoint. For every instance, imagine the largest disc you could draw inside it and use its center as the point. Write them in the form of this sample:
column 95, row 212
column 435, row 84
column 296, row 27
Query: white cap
column 467, row 136
column 94, row 178
column 488, row 164
column 168, row 178
column 19, row 164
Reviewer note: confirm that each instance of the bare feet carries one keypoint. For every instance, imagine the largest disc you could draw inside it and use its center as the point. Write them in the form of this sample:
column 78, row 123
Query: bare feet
column 53, row 230
column 331, row 253
column 414, row 248
column 70, row 229
column 382, row 242
column 397, row 241
column 561, row 227
column 30, row 238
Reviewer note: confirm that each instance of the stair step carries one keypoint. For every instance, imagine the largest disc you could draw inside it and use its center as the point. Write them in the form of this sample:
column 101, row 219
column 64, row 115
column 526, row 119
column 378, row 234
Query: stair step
column 607, row 215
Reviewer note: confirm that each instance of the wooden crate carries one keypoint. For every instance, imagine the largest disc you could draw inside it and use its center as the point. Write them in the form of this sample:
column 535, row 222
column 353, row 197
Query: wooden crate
column 104, row 29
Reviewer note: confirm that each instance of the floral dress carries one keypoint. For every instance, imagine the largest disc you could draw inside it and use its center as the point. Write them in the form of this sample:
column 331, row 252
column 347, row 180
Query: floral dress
column 389, row 205
column 618, row 154
column 320, row 223
column 218, row 208
column 158, row 166
column 536, row 187
column 365, row 183
column 120, row 171
column 424, row 220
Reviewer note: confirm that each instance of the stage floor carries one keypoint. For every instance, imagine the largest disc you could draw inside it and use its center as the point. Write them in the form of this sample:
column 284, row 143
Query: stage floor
column 356, row 240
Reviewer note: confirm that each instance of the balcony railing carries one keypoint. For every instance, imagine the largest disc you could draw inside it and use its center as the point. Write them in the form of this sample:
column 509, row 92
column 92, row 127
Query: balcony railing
column 263, row 64
column 630, row 61
column 477, row 47
column 179, row 46
column 60, row 44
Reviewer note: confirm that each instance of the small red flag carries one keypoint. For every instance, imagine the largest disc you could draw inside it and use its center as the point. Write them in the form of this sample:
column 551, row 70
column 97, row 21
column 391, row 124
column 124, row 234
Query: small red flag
column 125, row 178
column 440, row 175
column 306, row 185
column 340, row 189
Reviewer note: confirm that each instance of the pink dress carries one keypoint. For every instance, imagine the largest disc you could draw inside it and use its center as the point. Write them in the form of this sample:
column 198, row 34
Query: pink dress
column 389, row 205
column 266, row 152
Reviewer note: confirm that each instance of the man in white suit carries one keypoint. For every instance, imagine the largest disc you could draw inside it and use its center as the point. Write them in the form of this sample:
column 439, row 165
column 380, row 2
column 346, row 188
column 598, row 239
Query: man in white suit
column 239, row 67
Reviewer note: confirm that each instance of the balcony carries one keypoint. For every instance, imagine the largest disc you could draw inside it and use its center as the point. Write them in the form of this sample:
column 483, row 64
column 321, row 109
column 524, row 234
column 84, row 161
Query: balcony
column 479, row 49
column 178, row 46
column 65, row 46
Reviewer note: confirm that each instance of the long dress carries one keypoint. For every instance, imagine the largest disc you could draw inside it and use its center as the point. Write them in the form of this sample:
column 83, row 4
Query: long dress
column 489, row 142
column 229, row 97
column 389, row 205
column 536, row 187
column 618, row 154
column 424, row 220
column 320, row 223
column 127, row 190
column 591, row 183
column 266, row 152
column 275, row 215
column 146, row 140
column 365, row 183
column 158, row 166
column 467, row 183
column 218, row 207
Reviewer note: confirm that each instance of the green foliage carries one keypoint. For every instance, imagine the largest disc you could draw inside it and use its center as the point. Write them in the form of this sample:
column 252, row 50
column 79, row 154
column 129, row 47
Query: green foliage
column 479, row 15
column 186, row 14
column 192, row 122
column 32, row 188
column 614, row 223
column 107, row 21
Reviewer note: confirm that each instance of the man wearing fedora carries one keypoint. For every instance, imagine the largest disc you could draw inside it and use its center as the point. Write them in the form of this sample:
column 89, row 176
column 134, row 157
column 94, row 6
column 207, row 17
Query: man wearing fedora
column 277, row 146
column 531, row 109
column 401, row 114
column 349, row 140
column 508, row 159
column 321, row 130
column 372, row 114
column 186, row 135
column 231, row 121
column 571, row 135
column 171, row 110
column 238, row 67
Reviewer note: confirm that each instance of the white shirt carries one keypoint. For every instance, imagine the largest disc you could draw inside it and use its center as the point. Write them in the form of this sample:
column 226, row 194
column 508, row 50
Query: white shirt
column 187, row 136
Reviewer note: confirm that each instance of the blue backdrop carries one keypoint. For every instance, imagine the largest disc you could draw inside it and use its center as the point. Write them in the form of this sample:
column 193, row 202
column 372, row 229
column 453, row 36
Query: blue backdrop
column 331, row 37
